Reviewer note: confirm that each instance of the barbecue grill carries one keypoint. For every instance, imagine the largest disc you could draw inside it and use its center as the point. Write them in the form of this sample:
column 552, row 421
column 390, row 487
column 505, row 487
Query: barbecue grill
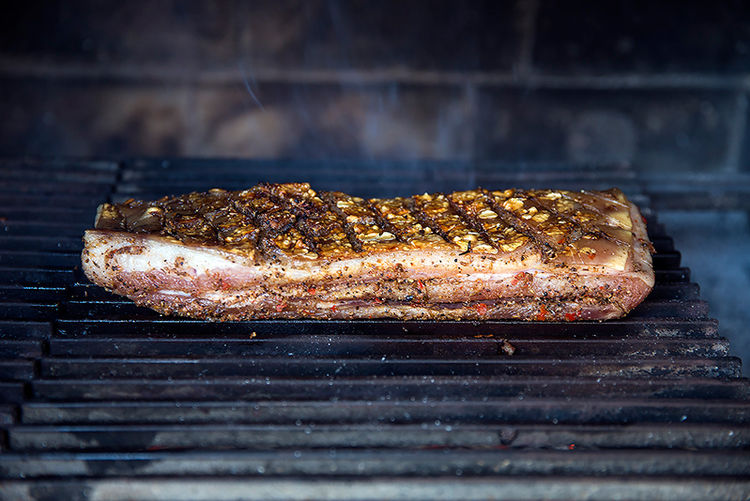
column 101, row 399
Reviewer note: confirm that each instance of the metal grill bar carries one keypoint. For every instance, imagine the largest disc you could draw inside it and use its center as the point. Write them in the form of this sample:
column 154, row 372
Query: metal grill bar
column 94, row 389
column 413, row 389
column 419, row 487
column 483, row 403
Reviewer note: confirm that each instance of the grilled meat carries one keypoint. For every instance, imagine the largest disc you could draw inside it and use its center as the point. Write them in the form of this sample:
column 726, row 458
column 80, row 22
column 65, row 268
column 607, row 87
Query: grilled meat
column 286, row 251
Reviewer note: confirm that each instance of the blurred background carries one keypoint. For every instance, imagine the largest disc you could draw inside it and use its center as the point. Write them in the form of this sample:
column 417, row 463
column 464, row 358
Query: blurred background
column 659, row 87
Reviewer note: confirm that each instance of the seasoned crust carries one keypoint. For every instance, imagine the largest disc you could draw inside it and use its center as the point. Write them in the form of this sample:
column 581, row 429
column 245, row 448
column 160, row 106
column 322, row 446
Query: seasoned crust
column 293, row 221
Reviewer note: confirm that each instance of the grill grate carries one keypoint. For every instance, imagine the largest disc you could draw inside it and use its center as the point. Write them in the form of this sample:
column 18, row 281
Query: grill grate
column 100, row 399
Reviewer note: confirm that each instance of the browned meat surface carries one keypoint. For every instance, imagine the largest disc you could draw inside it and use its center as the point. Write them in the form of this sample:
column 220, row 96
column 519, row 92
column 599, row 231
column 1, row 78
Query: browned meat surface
column 286, row 251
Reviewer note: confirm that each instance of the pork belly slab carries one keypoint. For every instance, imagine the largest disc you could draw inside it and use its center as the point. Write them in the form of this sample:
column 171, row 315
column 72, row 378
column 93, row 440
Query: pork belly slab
column 286, row 251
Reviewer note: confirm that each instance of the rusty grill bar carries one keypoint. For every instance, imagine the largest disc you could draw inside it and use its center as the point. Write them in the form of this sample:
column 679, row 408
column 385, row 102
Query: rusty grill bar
column 100, row 399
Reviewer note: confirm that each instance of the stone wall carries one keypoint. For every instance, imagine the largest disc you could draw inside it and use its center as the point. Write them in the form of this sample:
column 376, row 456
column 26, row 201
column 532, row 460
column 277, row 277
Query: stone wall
column 662, row 85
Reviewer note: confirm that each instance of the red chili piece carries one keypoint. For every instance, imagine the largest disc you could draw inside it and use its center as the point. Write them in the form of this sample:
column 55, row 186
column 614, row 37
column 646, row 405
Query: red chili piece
column 542, row 315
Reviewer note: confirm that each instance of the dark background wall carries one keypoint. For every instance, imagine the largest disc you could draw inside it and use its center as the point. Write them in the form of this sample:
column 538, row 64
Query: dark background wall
column 662, row 85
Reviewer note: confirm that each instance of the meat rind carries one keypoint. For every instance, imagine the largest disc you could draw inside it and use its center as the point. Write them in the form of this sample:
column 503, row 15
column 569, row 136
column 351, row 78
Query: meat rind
column 286, row 251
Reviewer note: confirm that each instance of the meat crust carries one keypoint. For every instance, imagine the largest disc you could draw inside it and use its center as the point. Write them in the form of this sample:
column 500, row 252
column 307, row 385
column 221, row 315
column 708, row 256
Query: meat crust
column 286, row 251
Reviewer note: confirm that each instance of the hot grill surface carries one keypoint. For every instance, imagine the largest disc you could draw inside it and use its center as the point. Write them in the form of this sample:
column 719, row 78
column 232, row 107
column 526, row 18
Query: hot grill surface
column 100, row 399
